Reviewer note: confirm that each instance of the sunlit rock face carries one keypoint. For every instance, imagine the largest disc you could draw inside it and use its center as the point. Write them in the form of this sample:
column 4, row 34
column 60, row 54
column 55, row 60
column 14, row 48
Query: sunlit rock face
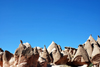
column 53, row 56
column 52, row 46
column 88, row 47
column 81, row 57
column 92, row 40
column 44, row 58
column 96, row 54
column 24, row 56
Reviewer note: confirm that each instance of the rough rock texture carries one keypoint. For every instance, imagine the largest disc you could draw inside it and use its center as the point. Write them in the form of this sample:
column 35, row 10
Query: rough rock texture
column 52, row 46
column 88, row 48
column 81, row 56
column 96, row 54
column 46, row 55
column 54, row 56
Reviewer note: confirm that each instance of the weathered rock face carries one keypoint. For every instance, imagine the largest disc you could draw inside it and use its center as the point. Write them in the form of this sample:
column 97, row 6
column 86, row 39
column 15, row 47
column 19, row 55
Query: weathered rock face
column 81, row 56
column 96, row 54
column 88, row 48
column 52, row 46
column 56, row 55
column 92, row 40
column 26, row 56
column 46, row 55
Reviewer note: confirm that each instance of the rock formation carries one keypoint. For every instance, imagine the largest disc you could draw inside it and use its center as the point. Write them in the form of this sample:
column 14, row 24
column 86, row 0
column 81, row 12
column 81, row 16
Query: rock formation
column 53, row 56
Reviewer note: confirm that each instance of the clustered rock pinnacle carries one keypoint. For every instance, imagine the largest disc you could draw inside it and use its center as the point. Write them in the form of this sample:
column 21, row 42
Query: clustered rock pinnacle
column 26, row 56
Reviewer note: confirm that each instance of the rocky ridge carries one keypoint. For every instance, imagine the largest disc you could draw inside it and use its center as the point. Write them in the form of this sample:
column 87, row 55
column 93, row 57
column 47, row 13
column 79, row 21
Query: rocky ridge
column 53, row 56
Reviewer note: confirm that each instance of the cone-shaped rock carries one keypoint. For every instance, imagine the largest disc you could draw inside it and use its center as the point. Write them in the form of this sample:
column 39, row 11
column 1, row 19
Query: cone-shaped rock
column 98, row 39
column 51, row 46
column 81, row 56
column 88, row 48
column 46, row 55
column 92, row 40
column 96, row 54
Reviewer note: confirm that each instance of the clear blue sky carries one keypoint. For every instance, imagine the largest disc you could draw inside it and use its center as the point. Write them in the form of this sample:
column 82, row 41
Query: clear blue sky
column 39, row 22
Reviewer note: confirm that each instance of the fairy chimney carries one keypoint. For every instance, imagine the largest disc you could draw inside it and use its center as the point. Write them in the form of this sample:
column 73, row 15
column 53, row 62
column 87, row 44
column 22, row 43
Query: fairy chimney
column 88, row 48
column 81, row 56
column 92, row 40
column 51, row 46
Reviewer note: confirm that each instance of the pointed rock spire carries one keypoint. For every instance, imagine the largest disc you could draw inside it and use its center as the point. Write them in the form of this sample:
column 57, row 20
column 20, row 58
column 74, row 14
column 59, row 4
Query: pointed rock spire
column 46, row 55
column 21, row 41
column 45, row 50
column 51, row 46
column 92, row 40
column 81, row 53
column 98, row 36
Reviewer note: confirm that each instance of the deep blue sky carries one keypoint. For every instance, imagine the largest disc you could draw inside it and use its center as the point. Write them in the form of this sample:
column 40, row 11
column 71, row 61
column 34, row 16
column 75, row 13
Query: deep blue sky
column 39, row 22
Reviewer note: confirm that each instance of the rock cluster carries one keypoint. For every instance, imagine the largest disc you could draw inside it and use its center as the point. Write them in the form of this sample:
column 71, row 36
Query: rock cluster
column 53, row 56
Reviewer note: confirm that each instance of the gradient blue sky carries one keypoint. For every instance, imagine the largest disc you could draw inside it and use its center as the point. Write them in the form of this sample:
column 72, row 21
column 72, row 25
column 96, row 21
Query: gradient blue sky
column 39, row 22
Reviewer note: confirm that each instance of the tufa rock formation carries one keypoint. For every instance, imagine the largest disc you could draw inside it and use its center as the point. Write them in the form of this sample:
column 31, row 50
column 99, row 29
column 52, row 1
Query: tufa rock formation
column 53, row 56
